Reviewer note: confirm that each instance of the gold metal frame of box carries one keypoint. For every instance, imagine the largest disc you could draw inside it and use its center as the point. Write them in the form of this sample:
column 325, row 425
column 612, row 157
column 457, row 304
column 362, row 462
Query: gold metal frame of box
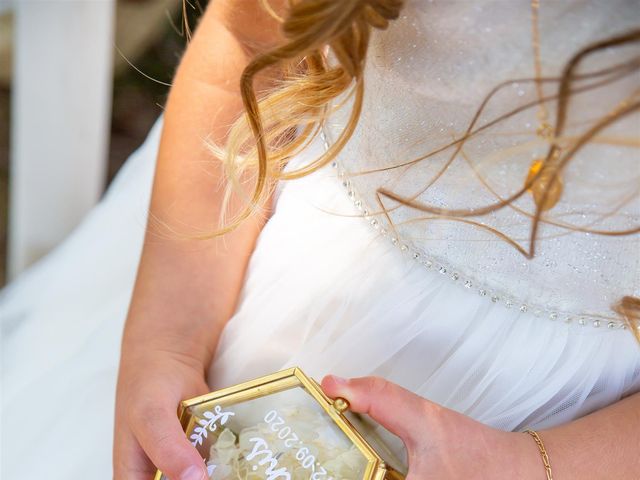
column 376, row 469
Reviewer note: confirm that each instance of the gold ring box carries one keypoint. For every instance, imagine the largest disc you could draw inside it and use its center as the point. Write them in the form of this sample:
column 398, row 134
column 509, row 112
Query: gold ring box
column 283, row 427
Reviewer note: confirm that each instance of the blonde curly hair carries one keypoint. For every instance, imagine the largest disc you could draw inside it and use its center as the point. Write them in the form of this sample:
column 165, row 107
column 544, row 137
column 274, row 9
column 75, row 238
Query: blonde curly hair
column 262, row 140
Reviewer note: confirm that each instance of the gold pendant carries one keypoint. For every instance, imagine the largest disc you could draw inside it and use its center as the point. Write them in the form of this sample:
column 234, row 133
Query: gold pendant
column 544, row 183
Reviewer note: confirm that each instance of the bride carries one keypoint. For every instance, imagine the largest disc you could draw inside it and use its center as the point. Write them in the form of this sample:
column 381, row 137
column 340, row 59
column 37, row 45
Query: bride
column 436, row 201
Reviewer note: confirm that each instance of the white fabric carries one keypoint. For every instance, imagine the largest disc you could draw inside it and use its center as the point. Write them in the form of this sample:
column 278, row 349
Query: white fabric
column 61, row 323
column 324, row 291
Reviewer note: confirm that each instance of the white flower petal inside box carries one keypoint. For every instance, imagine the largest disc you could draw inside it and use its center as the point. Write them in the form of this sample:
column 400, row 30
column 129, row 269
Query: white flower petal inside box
column 282, row 427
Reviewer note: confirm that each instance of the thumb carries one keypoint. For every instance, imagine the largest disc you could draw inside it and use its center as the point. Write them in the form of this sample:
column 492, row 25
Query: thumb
column 165, row 443
column 392, row 406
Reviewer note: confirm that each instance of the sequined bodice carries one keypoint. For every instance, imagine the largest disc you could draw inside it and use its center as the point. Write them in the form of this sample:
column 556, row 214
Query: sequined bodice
column 427, row 77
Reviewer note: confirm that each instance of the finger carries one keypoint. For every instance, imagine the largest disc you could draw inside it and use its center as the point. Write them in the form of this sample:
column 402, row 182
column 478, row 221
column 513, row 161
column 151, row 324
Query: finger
column 129, row 460
column 161, row 436
column 395, row 408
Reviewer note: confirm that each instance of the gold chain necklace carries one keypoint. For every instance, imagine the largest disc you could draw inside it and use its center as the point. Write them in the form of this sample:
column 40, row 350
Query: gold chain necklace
column 544, row 200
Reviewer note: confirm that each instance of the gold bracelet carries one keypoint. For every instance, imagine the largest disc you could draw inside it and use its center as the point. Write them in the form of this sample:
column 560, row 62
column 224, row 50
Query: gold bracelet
column 543, row 452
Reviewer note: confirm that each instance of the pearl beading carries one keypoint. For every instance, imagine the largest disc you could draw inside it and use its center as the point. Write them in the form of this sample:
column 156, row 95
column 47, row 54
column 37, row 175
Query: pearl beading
column 436, row 265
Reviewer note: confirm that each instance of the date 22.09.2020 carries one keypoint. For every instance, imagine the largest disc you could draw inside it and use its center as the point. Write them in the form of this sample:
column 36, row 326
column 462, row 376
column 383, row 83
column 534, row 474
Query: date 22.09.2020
column 291, row 440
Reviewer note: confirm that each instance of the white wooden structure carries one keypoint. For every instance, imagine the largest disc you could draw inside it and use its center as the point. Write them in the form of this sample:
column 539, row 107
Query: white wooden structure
column 61, row 98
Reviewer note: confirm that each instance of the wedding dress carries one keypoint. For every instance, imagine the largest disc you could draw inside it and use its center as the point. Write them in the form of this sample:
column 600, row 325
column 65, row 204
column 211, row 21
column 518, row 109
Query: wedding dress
column 447, row 309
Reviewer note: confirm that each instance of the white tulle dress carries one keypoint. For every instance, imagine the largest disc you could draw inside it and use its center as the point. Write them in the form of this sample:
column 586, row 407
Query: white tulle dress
column 447, row 309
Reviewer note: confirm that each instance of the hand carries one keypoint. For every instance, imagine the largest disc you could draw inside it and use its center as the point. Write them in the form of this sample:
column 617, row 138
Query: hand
column 152, row 382
column 441, row 444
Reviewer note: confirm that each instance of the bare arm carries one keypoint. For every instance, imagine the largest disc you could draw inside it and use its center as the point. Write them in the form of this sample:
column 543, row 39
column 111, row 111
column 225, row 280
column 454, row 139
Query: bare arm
column 601, row 445
column 186, row 289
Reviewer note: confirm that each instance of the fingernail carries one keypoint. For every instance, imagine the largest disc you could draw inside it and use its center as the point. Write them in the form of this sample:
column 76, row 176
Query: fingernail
column 193, row 473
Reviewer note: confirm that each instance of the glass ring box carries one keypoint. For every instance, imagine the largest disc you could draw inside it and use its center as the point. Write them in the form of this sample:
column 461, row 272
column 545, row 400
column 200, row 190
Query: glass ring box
column 282, row 427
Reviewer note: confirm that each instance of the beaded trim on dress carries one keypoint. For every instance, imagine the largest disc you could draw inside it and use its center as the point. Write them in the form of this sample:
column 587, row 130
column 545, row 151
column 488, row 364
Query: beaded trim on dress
column 437, row 265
